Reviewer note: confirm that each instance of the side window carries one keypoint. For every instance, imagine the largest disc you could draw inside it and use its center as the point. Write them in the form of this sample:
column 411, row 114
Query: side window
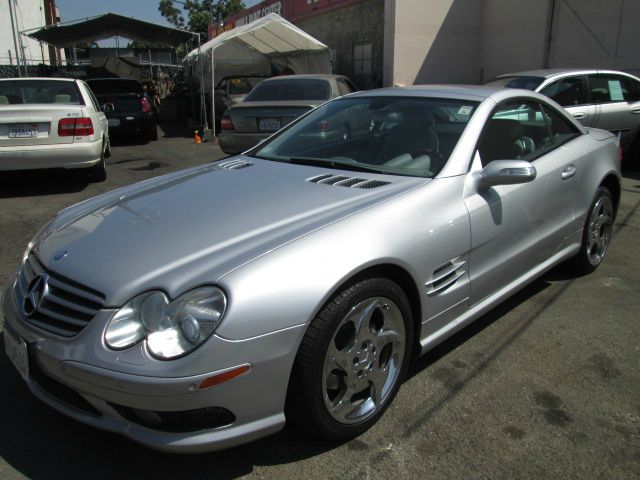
column 609, row 88
column 567, row 91
column 560, row 130
column 517, row 130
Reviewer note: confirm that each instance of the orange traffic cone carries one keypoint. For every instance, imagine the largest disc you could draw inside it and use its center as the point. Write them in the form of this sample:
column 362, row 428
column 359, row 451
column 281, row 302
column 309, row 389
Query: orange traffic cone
column 197, row 138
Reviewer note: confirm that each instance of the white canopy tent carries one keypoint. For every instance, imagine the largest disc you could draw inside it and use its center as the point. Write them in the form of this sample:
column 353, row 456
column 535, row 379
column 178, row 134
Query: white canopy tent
column 261, row 47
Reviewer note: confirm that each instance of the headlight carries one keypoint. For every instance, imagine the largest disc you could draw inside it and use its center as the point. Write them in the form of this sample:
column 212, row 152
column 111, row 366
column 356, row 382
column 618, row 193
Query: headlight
column 171, row 328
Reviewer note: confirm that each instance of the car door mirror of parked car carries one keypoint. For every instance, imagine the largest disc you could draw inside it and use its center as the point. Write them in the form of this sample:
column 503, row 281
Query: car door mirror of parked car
column 507, row 172
column 108, row 107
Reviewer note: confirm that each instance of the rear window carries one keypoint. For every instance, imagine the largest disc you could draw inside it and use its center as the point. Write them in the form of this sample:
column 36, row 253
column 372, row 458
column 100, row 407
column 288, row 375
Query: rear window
column 527, row 83
column 15, row 92
column 101, row 87
column 294, row 89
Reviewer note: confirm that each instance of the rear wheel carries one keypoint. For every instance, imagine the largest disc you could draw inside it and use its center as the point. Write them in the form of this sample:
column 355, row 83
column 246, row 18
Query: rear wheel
column 596, row 234
column 98, row 173
column 351, row 360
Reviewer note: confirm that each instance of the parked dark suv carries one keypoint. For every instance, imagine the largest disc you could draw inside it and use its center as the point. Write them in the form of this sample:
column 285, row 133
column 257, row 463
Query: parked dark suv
column 128, row 107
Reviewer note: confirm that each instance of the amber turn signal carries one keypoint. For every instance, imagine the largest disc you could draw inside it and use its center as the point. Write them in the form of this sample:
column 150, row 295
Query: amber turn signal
column 224, row 376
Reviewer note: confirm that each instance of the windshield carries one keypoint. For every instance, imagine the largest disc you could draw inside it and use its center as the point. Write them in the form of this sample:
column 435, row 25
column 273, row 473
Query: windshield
column 39, row 91
column 394, row 135
column 290, row 89
column 526, row 83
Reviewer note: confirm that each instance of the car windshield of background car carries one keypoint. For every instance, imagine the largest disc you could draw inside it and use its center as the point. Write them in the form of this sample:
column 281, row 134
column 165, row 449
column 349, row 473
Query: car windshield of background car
column 526, row 83
column 14, row 92
column 290, row 89
column 394, row 135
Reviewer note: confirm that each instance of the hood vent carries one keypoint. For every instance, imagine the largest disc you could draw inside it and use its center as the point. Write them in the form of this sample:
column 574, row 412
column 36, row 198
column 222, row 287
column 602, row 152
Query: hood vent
column 236, row 164
column 350, row 182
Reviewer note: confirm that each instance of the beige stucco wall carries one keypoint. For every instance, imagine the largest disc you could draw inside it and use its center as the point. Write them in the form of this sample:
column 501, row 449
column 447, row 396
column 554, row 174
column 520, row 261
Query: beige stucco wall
column 29, row 14
column 432, row 41
column 514, row 35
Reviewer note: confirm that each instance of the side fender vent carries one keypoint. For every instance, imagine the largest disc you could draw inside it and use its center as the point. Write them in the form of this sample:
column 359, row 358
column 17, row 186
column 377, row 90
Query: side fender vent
column 445, row 276
column 235, row 164
column 349, row 182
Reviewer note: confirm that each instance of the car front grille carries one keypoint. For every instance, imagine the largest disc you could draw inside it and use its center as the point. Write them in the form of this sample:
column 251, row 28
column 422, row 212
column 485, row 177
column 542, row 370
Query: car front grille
column 65, row 309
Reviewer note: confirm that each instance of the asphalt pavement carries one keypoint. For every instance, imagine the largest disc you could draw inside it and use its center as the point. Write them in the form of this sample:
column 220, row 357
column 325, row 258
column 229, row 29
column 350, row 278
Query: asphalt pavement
column 547, row 385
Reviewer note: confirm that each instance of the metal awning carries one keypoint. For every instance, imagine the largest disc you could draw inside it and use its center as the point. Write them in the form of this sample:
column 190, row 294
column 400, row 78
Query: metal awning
column 110, row 25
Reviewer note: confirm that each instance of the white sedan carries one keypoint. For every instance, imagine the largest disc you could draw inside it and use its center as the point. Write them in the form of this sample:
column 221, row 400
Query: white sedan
column 52, row 123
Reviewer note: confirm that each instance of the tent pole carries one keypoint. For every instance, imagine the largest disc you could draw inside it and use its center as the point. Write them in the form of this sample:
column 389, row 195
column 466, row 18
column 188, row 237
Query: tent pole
column 15, row 41
column 213, row 99
column 203, row 104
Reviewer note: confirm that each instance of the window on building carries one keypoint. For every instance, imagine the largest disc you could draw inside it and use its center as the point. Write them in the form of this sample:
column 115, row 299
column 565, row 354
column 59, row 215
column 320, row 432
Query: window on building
column 362, row 59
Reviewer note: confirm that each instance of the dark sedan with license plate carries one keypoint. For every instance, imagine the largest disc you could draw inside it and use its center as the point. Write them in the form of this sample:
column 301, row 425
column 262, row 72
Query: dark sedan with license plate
column 128, row 107
column 274, row 103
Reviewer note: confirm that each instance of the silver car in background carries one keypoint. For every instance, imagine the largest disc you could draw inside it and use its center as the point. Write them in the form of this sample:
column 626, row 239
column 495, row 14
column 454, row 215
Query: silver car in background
column 52, row 123
column 605, row 99
column 273, row 104
column 298, row 281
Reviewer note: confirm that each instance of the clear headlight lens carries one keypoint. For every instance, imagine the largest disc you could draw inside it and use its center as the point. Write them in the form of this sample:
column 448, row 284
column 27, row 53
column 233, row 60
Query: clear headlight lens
column 171, row 328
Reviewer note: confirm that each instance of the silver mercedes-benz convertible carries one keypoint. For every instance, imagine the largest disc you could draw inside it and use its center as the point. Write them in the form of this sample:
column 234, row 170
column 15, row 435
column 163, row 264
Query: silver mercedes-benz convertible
column 199, row 310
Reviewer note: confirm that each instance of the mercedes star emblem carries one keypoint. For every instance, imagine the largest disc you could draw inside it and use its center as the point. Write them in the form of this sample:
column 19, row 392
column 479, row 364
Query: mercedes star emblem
column 37, row 290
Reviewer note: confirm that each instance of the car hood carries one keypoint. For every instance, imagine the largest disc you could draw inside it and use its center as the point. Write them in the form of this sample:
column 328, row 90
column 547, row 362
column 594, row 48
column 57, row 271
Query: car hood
column 192, row 227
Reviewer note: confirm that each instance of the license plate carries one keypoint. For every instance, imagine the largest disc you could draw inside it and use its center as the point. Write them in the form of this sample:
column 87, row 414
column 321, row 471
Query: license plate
column 114, row 122
column 23, row 132
column 269, row 124
column 16, row 349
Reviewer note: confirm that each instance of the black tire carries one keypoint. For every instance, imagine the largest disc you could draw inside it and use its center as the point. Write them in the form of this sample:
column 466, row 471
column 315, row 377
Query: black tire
column 152, row 133
column 598, row 224
column 98, row 173
column 310, row 394
column 107, row 152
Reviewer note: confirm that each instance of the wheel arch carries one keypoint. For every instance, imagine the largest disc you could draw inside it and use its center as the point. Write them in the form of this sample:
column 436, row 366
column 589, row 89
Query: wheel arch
column 398, row 275
column 612, row 183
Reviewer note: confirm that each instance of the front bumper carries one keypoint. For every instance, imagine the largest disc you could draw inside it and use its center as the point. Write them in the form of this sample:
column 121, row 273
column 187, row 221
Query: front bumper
column 239, row 142
column 113, row 391
column 68, row 155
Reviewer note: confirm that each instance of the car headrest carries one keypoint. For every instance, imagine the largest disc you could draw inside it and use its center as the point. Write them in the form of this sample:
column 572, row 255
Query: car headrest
column 62, row 98
column 4, row 100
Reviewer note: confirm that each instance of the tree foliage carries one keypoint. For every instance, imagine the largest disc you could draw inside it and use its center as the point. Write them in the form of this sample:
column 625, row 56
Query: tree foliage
column 199, row 13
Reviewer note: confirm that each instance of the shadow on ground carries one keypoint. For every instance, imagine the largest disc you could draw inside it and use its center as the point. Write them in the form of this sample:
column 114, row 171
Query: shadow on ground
column 35, row 183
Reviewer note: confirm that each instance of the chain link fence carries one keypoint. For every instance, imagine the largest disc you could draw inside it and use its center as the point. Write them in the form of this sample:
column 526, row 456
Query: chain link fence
column 66, row 71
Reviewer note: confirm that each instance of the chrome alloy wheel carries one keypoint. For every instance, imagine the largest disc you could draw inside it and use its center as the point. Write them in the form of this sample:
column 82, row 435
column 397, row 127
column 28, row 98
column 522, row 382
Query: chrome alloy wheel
column 363, row 360
column 600, row 229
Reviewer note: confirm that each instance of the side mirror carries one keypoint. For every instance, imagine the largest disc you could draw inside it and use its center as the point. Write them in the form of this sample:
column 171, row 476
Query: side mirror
column 108, row 107
column 507, row 172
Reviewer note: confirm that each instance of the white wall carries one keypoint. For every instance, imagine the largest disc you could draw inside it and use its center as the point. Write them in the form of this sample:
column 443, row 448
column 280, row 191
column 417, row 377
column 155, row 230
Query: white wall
column 29, row 14
column 472, row 41
column 433, row 41
column 597, row 33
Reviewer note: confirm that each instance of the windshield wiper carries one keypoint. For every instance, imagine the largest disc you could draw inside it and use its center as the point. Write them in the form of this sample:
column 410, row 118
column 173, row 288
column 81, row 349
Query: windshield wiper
column 317, row 162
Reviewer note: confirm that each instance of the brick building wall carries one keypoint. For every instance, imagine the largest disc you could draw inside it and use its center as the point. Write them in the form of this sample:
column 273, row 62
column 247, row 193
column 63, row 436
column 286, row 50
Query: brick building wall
column 349, row 32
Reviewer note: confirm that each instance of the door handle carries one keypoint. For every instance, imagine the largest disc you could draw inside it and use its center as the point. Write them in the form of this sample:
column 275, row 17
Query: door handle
column 579, row 115
column 568, row 172
column 635, row 110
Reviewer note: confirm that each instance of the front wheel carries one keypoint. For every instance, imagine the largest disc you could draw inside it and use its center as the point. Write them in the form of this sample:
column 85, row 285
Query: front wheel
column 351, row 360
column 596, row 234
